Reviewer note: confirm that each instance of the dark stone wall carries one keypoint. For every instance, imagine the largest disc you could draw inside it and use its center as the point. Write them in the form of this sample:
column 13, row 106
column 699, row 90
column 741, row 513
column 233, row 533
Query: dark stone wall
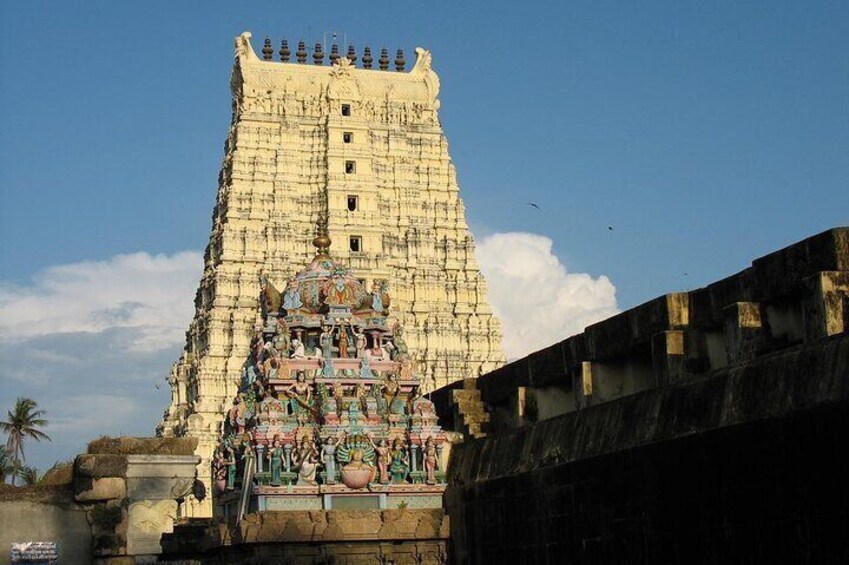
column 744, row 465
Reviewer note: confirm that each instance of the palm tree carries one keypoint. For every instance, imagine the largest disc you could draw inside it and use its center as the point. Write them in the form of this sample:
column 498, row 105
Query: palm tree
column 29, row 475
column 6, row 468
column 23, row 422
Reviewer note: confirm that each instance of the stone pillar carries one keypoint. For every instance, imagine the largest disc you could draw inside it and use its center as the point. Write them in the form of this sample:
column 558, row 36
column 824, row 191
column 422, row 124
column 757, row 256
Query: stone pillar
column 133, row 499
column 743, row 331
column 154, row 483
column 668, row 356
column 414, row 452
column 287, row 452
column 825, row 307
column 260, row 451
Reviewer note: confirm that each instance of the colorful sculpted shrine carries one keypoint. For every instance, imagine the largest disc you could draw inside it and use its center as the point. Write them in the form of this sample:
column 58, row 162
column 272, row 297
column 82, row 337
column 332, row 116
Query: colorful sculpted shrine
column 329, row 413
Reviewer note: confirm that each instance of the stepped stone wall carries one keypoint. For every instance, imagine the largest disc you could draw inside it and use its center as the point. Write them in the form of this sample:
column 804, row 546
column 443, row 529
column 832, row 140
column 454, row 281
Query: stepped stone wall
column 307, row 140
column 701, row 427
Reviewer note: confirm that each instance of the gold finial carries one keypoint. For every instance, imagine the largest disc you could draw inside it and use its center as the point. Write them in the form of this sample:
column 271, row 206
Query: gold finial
column 322, row 239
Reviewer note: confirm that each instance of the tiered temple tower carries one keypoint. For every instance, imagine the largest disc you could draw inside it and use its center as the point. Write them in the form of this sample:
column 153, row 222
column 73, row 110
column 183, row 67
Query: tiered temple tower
column 364, row 147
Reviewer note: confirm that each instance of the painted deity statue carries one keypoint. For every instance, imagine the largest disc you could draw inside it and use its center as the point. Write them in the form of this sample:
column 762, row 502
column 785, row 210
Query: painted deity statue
column 400, row 462
column 337, row 289
column 292, row 296
column 219, row 471
column 300, row 395
column 236, row 416
column 365, row 367
column 431, row 461
column 343, row 342
column 249, row 376
column 339, row 397
column 271, row 367
column 282, row 339
column 401, row 352
column 298, row 350
column 231, row 468
column 391, row 390
column 376, row 297
column 306, row 460
column 270, row 295
column 326, row 341
column 360, row 342
column 328, row 457
column 275, row 457
column 380, row 400
column 361, row 394
column 384, row 459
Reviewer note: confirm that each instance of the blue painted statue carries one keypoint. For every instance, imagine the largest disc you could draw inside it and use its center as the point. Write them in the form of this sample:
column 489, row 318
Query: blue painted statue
column 292, row 297
column 376, row 298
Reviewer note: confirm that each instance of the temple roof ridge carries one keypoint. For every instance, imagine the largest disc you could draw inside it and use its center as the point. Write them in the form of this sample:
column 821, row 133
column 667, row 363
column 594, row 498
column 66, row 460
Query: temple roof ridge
column 244, row 52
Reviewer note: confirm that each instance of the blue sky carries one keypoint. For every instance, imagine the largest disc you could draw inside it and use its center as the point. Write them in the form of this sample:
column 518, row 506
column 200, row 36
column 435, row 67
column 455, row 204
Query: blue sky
column 704, row 133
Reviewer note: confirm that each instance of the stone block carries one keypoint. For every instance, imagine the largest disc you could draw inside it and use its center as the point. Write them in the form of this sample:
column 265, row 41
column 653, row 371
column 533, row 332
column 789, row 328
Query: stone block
column 117, row 560
column 148, row 520
column 143, row 446
column 352, row 525
column 743, row 331
column 108, row 543
column 107, row 488
column 825, row 307
column 668, row 356
column 100, row 465
column 153, row 477
column 157, row 488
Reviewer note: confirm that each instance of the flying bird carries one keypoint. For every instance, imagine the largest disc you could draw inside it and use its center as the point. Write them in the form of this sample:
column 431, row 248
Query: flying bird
column 609, row 228
column 532, row 204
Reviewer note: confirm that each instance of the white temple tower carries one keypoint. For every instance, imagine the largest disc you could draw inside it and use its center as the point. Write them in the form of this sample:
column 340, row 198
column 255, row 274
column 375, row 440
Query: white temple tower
column 363, row 145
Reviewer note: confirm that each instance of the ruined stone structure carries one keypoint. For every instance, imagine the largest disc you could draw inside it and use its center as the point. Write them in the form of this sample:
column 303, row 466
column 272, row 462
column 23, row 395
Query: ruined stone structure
column 707, row 426
column 110, row 507
column 363, row 146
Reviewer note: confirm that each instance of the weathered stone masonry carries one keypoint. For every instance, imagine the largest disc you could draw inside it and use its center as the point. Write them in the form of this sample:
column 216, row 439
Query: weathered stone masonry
column 701, row 427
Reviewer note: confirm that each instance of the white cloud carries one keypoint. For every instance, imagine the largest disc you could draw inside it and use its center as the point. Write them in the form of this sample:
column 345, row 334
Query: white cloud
column 150, row 292
column 538, row 301
column 92, row 343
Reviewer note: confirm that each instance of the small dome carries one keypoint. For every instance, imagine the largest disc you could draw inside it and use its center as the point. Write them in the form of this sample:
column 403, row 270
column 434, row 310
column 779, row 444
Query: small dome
column 324, row 283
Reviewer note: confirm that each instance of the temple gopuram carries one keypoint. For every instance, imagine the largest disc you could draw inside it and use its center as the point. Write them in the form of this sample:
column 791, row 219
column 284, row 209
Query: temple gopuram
column 329, row 413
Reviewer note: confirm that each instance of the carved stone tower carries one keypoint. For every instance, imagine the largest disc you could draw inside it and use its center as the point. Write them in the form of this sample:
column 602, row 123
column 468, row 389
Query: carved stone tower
column 363, row 146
